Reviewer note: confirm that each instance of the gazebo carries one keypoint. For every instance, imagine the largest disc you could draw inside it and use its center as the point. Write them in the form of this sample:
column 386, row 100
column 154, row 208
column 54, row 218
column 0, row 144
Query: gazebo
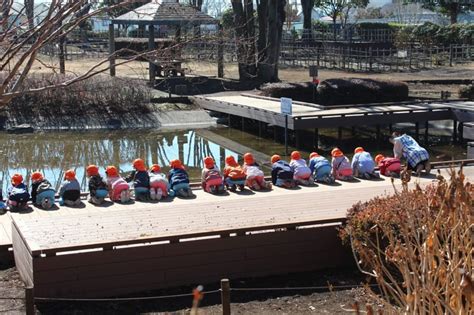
column 169, row 13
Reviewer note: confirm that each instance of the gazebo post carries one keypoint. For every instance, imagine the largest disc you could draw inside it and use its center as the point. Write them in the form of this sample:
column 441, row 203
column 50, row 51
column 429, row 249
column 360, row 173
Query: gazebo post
column 151, row 47
column 220, row 52
column 112, row 49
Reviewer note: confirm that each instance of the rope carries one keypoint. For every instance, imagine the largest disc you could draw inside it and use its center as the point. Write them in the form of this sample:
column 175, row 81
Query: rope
column 123, row 299
column 348, row 286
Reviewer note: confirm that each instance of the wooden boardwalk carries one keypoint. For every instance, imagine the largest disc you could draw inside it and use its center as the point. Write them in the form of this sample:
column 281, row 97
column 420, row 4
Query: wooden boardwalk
column 306, row 116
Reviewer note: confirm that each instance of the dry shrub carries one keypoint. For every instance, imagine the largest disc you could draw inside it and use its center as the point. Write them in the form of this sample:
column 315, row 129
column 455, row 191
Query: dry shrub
column 298, row 91
column 359, row 91
column 467, row 91
column 96, row 95
column 418, row 246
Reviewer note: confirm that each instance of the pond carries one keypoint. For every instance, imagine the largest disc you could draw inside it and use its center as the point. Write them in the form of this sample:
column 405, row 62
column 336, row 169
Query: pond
column 54, row 153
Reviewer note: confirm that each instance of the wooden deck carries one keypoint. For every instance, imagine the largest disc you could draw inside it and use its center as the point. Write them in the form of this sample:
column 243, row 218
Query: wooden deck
column 122, row 249
column 306, row 116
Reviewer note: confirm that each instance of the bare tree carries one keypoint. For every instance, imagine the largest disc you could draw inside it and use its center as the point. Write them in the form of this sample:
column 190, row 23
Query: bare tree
column 307, row 6
column 30, row 12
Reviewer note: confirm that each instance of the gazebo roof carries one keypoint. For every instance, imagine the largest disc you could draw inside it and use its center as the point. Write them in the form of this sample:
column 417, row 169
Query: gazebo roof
column 164, row 12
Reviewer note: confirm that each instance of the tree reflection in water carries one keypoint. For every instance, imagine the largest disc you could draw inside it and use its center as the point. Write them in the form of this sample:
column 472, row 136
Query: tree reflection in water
column 54, row 153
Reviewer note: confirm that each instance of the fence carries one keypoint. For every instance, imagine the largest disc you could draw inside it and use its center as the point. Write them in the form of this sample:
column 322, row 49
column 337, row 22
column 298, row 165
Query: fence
column 346, row 35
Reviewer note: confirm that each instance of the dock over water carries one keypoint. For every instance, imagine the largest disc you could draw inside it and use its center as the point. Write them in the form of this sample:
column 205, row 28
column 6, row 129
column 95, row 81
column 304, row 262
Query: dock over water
column 119, row 249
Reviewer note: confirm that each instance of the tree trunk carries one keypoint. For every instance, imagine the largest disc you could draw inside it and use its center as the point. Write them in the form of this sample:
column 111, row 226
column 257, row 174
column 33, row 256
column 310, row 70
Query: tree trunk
column 268, row 67
column 5, row 14
column 30, row 13
column 245, row 33
column 307, row 6
column 453, row 12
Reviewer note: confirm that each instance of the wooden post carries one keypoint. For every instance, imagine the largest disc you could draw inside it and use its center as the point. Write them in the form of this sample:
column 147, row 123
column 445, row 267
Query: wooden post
column 220, row 54
column 417, row 131
column 275, row 133
column 259, row 128
column 316, row 138
column 461, row 131
column 451, row 55
column 30, row 300
column 225, row 296
column 427, row 125
column 112, row 50
column 455, row 131
column 151, row 47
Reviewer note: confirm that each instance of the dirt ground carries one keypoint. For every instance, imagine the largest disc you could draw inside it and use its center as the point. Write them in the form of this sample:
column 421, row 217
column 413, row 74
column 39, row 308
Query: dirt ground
column 140, row 70
column 321, row 301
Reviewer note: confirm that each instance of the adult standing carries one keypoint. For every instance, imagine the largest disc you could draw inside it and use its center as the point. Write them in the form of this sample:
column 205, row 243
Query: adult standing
column 417, row 157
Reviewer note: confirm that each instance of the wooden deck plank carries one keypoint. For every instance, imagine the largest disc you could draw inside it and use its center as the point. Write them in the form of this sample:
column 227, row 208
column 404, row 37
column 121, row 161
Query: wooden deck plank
column 206, row 213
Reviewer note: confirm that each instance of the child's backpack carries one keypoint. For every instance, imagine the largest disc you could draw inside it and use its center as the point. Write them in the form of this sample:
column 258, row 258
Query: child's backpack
column 343, row 167
column 213, row 175
column 388, row 165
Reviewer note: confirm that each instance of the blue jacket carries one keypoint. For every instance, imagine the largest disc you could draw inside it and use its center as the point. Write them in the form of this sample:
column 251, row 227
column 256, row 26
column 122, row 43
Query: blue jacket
column 69, row 185
column 320, row 166
column 363, row 162
column 18, row 193
column 177, row 176
column 281, row 170
column 140, row 179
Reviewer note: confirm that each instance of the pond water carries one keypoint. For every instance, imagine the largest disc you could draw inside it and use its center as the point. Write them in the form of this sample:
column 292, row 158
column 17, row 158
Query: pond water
column 54, row 153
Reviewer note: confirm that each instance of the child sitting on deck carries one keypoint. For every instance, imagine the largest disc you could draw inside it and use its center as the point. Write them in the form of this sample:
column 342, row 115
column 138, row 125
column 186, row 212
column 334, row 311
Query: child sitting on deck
column 140, row 179
column 282, row 174
column 320, row 168
column 97, row 186
column 18, row 195
column 363, row 165
column 301, row 171
column 179, row 180
column 341, row 167
column 211, row 177
column 158, row 183
column 119, row 190
column 70, row 191
column 255, row 176
column 388, row 166
column 234, row 175
column 42, row 192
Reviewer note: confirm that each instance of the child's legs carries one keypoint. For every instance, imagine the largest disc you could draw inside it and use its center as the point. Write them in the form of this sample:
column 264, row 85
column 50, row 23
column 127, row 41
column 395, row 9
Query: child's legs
column 160, row 185
column 213, row 182
column 236, row 182
column 184, row 186
column 117, row 190
column 48, row 194
column 141, row 192
column 323, row 172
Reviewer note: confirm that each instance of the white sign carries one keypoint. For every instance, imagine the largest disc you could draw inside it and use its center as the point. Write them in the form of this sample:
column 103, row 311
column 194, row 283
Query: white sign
column 286, row 106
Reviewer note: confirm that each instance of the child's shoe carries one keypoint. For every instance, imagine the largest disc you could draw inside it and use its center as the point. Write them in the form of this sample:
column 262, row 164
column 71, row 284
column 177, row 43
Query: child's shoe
column 46, row 204
column 233, row 188
column 255, row 186
column 96, row 201
column 427, row 167
column 242, row 187
column 189, row 192
column 213, row 189
column 366, row 176
column 153, row 194
column 418, row 170
column 125, row 196
column 69, row 203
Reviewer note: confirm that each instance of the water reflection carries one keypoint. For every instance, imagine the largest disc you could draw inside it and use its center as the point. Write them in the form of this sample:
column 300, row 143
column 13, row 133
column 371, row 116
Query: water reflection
column 54, row 153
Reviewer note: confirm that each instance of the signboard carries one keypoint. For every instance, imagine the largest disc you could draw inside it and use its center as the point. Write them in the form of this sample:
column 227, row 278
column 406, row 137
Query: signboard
column 286, row 106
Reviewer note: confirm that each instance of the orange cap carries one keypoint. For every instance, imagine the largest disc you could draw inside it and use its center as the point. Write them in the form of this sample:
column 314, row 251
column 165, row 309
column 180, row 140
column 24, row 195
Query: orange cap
column 276, row 158
column 208, row 162
column 358, row 150
column 248, row 158
column 230, row 160
column 92, row 170
column 17, row 179
column 155, row 168
column 336, row 152
column 36, row 176
column 139, row 165
column 379, row 158
column 295, row 155
column 70, row 174
column 176, row 164
column 111, row 171
column 313, row 155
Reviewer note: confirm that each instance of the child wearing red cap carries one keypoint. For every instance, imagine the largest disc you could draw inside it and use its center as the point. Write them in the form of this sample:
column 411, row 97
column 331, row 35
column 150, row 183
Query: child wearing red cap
column 363, row 165
column 97, row 186
column 140, row 179
column 42, row 192
column 301, row 171
column 18, row 195
column 282, row 174
column 158, row 183
column 211, row 177
column 119, row 190
column 179, row 180
column 70, row 190
column 388, row 166
column 255, row 176
column 341, row 167
column 234, row 175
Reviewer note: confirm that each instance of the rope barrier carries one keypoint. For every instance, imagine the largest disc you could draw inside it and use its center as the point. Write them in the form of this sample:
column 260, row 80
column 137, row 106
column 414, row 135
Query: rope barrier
column 348, row 286
column 122, row 299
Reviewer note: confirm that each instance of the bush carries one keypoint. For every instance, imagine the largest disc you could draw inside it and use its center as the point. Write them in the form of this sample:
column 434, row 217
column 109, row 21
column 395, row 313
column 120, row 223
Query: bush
column 99, row 94
column 417, row 245
column 467, row 91
column 298, row 91
column 358, row 91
